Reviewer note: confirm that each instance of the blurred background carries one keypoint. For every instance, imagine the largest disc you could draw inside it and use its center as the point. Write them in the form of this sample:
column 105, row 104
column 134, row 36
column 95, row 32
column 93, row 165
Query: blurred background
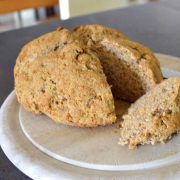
column 22, row 13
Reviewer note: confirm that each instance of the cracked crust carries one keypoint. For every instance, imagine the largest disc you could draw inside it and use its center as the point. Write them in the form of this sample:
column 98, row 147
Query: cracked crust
column 155, row 117
column 57, row 76
column 131, row 68
column 90, row 34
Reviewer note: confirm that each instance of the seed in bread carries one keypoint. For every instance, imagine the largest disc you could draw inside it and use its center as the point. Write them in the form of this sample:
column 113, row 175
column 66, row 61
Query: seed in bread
column 57, row 76
column 131, row 68
column 155, row 117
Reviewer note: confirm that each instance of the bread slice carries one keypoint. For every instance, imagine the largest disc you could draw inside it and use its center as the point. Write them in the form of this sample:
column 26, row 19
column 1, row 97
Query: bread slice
column 155, row 117
column 56, row 75
column 131, row 68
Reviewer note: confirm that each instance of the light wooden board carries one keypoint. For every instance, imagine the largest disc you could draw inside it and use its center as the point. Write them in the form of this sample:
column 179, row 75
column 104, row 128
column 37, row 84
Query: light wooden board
column 170, row 62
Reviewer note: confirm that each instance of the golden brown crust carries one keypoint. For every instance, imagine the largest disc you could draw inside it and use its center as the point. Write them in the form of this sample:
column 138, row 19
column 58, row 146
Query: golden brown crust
column 131, row 68
column 57, row 76
column 95, row 32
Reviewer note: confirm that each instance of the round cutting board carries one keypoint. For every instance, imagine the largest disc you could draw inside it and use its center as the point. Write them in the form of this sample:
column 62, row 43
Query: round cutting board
column 95, row 148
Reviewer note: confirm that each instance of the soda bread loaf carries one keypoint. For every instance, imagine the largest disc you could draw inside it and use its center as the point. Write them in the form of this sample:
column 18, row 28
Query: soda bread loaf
column 57, row 76
column 131, row 68
column 155, row 117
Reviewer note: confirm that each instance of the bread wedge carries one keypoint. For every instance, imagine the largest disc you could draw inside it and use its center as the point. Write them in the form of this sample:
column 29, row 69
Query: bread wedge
column 55, row 75
column 153, row 118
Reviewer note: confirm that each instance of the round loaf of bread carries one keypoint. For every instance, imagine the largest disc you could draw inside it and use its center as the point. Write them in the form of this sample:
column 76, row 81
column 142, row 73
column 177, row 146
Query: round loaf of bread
column 154, row 117
column 131, row 68
column 57, row 76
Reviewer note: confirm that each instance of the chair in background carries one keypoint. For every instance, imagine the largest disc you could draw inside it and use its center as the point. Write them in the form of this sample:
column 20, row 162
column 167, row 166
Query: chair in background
column 16, row 6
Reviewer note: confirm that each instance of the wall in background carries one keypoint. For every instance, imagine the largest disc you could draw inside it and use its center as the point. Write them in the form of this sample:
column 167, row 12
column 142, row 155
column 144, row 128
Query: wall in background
column 72, row 8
